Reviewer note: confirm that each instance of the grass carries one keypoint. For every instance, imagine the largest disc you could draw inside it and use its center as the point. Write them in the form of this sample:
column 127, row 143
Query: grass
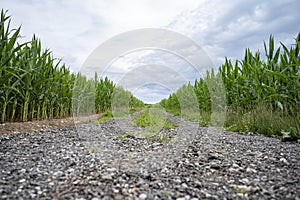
column 105, row 116
column 260, row 120
column 122, row 137
column 93, row 149
column 154, row 120
column 108, row 115
column 258, row 95
column 264, row 121
column 240, row 190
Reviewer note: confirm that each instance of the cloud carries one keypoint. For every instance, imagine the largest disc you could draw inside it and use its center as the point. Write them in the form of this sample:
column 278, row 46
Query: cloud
column 150, row 93
column 73, row 30
column 144, row 68
column 168, row 50
column 65, row 27
column 226, row 29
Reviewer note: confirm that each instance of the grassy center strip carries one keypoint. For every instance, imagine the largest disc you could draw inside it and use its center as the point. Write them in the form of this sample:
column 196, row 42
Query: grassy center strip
column 155, row 122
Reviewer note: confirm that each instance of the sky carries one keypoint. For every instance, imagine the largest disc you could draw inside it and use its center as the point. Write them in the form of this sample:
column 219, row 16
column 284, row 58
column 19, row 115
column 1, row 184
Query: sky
column 86, row 33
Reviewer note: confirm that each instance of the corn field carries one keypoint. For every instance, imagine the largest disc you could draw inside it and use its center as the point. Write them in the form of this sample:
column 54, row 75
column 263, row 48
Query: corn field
column 34, row 85
column 262, row 95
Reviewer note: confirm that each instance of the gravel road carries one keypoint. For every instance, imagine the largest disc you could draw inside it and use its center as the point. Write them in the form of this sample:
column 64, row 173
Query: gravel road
column 111, row 161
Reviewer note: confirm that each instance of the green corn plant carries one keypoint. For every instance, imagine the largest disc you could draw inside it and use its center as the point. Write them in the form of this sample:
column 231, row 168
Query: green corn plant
column 261, row 95
column 35, row 85
column 8, row 59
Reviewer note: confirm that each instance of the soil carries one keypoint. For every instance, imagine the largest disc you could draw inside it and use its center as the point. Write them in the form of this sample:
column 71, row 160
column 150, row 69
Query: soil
column 41, row 125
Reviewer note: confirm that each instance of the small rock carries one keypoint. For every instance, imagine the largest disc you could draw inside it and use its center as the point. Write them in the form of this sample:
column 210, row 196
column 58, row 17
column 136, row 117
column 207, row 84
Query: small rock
column 115, row 190
column 177, row 180
column 57, row 173
column 284, row 161
column 133, row 190
column 235, row 165
column 245, row 181
column 70, row 170
column 22, row 180
column 215, row 184
column 142, row 196
column 111, row 169
column 214, row 165
column 107, row 177
column 124, row 191
column 184, row 185
column 212, row 156
column 38, row 188
column 233, row 170
column 251, row 170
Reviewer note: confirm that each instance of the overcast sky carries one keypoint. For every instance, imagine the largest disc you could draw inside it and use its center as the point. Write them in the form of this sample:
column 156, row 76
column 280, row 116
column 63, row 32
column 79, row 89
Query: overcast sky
column 73, row 29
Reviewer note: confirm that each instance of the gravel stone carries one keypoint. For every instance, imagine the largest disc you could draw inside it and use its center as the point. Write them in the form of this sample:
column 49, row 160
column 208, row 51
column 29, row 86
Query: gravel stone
column 142, row 196
column 111, row 161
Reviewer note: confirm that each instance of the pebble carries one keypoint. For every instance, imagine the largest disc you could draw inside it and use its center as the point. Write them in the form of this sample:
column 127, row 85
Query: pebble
column 111, row 169
column 205, row 164
column 251, row 170
column 184, row 185
column 233, row 170
column 284, row 161
column 215, row 165
column 245, row 181
column 142, row 196
column 107, row 177
column 234, row 165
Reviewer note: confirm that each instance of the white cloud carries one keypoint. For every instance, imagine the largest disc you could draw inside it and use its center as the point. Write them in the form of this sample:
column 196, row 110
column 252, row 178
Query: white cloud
column 73, row 29
column 150, row 93
column 226, row 28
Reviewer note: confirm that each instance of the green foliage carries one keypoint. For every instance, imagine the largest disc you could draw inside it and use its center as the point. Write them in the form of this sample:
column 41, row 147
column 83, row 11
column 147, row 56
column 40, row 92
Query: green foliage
column 104, row 92
column 291, row 135
column 122, row 137
column 240, row 189
column 171, row 104
column 142, row 120
column 154, row 120
column 160, row 137
column 34, row 85
column 107, row 115
column 261, row 95
column 135, row 103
